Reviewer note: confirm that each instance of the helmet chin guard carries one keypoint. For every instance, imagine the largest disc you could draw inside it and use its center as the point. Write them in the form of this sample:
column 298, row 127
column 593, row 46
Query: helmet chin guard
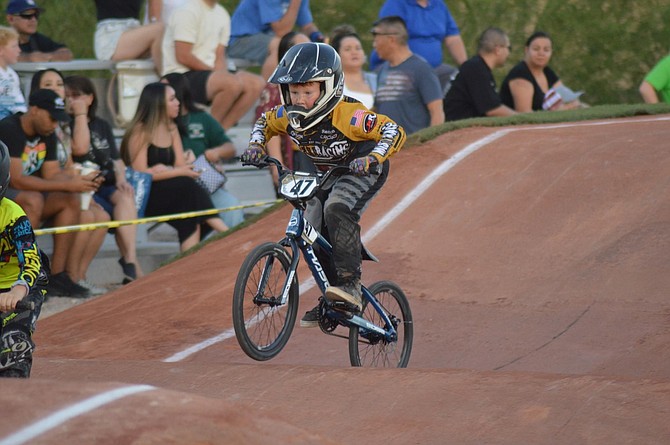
column 310, row 62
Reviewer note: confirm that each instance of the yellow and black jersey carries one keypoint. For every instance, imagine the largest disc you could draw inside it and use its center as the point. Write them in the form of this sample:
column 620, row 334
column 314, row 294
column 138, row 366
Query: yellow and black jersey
column 20, row 261
column 349, row 132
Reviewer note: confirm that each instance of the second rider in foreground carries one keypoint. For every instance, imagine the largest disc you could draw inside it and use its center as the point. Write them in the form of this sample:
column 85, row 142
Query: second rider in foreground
column 331, row 130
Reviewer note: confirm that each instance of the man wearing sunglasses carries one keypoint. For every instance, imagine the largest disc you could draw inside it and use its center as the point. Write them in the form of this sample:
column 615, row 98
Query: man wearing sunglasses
column 23, row 16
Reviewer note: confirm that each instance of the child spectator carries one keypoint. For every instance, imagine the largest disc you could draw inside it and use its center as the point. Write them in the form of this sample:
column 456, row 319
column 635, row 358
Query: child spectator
column 94, row 141
column 23, row 276
column 203, row 135
column 195, row 44
column 152, row 144
column 11, row 97
column 23, row 16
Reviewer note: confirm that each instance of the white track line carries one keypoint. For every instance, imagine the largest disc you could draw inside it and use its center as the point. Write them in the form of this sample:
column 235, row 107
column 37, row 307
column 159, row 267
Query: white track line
column 59, row 417
column 408, row 200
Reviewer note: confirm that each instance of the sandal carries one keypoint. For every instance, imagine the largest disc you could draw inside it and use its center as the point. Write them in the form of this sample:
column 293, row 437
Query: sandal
column 129, row 271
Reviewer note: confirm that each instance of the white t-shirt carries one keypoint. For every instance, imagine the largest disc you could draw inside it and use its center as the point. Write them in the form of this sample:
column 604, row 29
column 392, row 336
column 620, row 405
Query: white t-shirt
column 196, row 23
column 11, row 97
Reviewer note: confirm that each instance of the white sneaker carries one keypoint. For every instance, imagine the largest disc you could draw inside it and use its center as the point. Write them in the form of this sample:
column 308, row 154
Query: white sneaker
column 95, row 290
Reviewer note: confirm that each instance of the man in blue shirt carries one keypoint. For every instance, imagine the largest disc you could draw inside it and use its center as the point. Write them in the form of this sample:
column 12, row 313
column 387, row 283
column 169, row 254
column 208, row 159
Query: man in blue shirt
column 258, row 25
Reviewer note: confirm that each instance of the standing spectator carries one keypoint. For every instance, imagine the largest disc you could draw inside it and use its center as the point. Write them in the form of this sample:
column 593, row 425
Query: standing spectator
column 473, row 91
column 203, row 135
column 94, row 141
column 656, row 85
column 120, row 36
column 259, row 24
column 358, row 83
column 528, row 83
column 195, row 44
column 408, row 90
column 11, row 97
column 39, row 185
column 152, row 144
column 429, row 25
column 23, row 16
column 23, row 275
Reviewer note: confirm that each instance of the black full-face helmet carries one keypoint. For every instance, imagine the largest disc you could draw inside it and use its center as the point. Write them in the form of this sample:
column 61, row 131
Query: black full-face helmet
column 4, row 169
column 310, row 62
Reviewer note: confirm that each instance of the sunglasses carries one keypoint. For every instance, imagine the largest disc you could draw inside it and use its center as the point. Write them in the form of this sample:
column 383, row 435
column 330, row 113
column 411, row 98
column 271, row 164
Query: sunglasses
column 378, row 33
column 32, row 15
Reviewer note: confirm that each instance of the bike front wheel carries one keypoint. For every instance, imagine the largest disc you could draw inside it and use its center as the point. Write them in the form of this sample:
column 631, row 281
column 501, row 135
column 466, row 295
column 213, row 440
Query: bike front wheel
column 369, row 349
column 262, row 323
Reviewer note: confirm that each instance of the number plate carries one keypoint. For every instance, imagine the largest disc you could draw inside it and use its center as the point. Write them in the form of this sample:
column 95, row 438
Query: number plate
column 298, row 185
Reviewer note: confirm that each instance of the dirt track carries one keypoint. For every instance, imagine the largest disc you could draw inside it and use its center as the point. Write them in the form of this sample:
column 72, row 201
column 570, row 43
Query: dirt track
column 537, row 270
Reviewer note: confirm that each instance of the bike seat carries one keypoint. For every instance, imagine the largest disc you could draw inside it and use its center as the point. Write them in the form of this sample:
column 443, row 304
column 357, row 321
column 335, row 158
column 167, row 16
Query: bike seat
column 367, row 255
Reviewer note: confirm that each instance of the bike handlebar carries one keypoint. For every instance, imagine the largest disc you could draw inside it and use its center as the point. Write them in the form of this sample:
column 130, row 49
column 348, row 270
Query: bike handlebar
column 24, row 305
column 268, row 160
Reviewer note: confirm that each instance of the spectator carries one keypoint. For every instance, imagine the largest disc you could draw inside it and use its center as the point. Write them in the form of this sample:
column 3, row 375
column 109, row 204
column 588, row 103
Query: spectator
column 195, row 44
column 160, row 11
column 23, row 16
column 281, row 147
column 119, row 35
column 359, row 84
column 429, row 25
column 23, row 276
column 40, row 186
column 11, row 97
column 203, row 135
column 656, row 85
column 94, row 141
column 152, row 144
column 473, row 91
column 531, row 80
column 87, row 242
column 408, row 90
column 258, row 25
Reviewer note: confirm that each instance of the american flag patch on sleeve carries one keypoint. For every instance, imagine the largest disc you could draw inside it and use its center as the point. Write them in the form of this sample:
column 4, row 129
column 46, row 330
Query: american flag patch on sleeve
column 357, row 118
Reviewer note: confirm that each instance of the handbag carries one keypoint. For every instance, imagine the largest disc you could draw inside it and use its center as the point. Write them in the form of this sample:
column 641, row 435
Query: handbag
column 211, row 178
column 141, row 183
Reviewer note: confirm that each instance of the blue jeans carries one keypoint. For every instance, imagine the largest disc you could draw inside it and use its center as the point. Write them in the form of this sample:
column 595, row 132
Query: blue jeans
column 222, row 199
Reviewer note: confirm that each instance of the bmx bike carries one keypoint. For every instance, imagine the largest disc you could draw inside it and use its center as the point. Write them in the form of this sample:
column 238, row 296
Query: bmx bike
column 266, row 295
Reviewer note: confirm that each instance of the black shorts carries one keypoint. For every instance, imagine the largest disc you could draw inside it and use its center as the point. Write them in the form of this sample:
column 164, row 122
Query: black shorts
column 197, row 81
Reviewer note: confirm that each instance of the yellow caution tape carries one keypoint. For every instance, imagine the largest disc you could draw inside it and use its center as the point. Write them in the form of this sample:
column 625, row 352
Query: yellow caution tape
column 151, row 219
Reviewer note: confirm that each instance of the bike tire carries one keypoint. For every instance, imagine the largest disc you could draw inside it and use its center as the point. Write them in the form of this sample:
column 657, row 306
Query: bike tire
column 263, row 329
column 381, row 353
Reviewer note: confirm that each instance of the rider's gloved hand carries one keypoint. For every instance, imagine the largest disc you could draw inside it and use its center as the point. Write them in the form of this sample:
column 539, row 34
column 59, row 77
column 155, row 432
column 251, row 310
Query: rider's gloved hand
column 361, row 166
column 252, row 155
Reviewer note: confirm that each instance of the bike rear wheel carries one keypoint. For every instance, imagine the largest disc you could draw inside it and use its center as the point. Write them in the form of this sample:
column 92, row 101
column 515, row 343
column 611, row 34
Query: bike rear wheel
column 369, row 349
column 262, row 324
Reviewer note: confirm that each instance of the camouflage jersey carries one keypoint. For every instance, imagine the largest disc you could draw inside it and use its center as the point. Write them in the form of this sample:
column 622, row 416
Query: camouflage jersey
column 348, row 132
column 20, row 261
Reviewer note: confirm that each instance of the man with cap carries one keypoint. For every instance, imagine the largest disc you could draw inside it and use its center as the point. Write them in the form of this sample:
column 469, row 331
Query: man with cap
column 40, row 186
column 23, row 15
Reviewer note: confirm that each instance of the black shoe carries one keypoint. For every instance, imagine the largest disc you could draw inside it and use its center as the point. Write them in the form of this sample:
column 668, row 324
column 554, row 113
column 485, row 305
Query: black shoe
column 311, row 318
column 61, row 285
column 129, row 271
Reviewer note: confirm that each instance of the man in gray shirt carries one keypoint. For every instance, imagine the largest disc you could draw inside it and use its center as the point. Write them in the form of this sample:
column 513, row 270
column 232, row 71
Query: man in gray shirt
column 408, row 91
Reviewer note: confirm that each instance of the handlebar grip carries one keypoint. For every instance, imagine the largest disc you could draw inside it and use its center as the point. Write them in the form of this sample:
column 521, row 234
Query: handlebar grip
column 25, row 305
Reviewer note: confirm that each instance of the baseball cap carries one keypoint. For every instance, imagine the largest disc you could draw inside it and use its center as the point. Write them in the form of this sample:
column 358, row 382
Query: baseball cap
column 49, row 100
column 18, row 6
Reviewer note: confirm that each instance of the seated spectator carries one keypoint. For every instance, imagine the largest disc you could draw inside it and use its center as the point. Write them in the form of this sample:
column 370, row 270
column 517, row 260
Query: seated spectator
column 195, row 44
column 23, row 16
column 41, row 187
column 11, row 97
column 429, row 25
column 408, row 90
column 358, row 83
column 656, row 85
column 258, row 25
column 94, row 141
column 152, row 144
column 281, row 147
column 531, row 80
column 160, row 11
column 203, row 135
column 473, row 91
column 86, row 242
column 120, row 36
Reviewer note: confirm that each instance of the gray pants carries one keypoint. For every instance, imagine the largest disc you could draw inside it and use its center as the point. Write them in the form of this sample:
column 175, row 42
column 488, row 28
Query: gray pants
column 336, row 211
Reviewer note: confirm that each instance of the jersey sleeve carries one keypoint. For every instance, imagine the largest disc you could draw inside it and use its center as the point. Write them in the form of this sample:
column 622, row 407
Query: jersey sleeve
column 389, row 136
column 271, row 123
